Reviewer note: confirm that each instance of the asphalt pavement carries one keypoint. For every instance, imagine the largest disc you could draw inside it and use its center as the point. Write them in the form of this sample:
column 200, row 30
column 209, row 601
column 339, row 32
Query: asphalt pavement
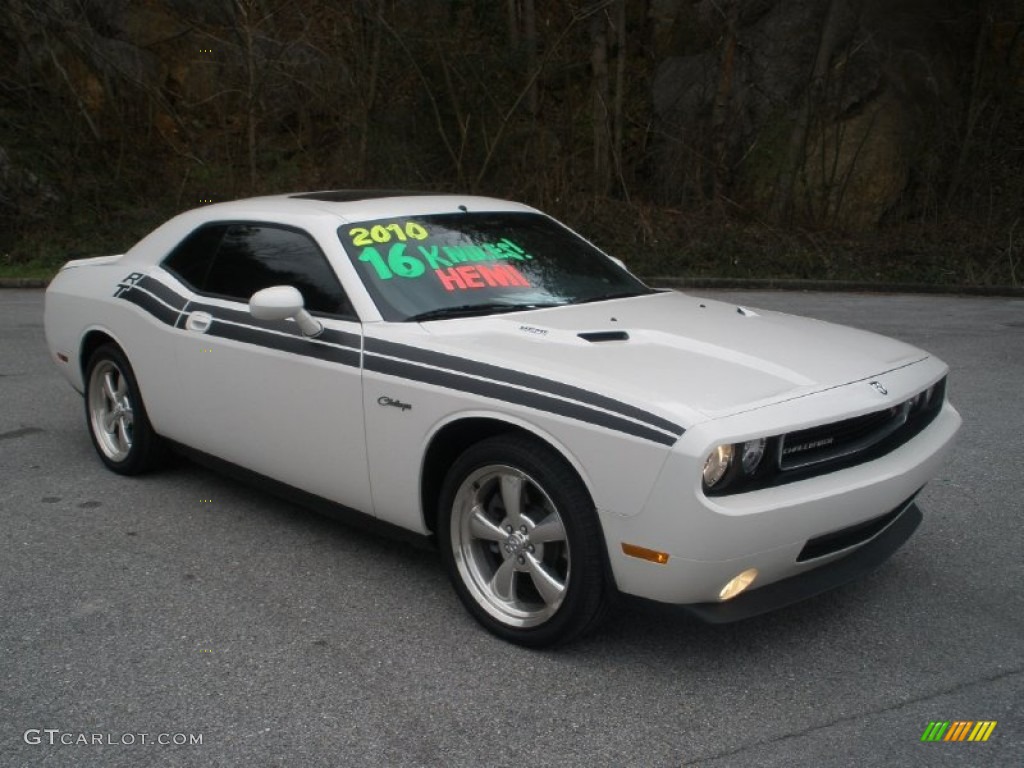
column 186, row 607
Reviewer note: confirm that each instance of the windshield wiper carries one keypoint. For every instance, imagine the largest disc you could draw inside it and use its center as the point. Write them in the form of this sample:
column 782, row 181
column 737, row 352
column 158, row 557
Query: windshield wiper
column 469, row 310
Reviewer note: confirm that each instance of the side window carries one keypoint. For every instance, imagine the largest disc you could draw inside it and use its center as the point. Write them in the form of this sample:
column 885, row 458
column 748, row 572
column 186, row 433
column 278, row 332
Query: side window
column 191, row 259
column 237, row 260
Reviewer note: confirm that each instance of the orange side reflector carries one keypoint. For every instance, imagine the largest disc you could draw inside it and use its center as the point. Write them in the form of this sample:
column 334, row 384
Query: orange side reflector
column 645, row 554
column 62, row 357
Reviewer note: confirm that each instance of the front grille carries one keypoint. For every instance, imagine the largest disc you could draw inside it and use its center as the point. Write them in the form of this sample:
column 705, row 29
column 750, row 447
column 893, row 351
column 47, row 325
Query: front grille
column 826, row 448
column 842, row 438
column 820, row 449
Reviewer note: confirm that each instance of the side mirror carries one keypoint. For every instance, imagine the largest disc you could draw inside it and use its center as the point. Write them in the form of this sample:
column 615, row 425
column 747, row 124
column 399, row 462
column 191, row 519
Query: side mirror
column 279, row 302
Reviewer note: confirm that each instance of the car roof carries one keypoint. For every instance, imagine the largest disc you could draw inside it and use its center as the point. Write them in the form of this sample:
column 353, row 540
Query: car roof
column 331, row 208
column 349, row 205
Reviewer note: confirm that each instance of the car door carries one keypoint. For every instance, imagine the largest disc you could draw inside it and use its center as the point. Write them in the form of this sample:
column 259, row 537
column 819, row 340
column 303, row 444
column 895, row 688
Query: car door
column 258, row 393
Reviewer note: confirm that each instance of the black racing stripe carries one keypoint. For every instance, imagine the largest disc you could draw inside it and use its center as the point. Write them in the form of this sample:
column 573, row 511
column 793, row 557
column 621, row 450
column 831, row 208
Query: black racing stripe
column 254, row 331
column 297, row 345
column 521, row 379
column 343, row 338
column 516, row 396
column 162, row 292
column 183, row 317
column 241, row 326
column 160, row 311
column 243, row 317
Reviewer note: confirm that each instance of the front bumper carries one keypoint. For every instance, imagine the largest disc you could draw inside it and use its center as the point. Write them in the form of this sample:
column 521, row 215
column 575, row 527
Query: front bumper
column 814, row 582
column 785, row 532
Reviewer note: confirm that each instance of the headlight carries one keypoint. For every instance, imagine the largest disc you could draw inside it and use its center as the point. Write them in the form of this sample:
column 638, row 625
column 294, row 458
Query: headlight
column 752, row 452
column 736, row 467
column 926, row 398
column 716, row 465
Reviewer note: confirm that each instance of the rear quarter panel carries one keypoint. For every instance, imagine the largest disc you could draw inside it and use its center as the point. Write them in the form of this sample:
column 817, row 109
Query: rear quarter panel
column 80, row 300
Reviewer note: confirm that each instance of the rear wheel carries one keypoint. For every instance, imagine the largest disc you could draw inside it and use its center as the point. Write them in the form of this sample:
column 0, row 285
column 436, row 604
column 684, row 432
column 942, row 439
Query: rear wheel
column 522, row 543
column 118, row 425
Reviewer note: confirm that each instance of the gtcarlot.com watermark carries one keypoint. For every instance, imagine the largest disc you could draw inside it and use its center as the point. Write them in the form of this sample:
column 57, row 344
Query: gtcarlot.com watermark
column 56, row 737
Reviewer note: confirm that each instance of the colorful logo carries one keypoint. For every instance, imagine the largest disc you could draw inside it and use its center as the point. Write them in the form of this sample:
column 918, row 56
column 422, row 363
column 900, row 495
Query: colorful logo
column 958, row 730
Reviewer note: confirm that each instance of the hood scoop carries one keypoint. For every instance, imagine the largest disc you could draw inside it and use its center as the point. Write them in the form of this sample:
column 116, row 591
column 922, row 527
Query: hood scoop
column 595, row 337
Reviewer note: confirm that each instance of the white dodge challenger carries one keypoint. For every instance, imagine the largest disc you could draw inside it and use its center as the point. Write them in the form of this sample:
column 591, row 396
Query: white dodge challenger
column 471, row 371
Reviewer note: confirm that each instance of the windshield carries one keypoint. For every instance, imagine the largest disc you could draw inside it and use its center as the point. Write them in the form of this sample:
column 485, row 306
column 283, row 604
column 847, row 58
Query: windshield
column 459, row 264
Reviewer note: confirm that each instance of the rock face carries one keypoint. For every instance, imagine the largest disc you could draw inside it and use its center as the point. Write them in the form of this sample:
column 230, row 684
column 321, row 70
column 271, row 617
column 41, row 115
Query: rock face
column 821, row 113
column 22, row 193
column 857, row 168
column 823, row 105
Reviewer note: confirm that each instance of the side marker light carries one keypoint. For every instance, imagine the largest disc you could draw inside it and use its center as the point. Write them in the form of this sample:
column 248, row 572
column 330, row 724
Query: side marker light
column 645, row 554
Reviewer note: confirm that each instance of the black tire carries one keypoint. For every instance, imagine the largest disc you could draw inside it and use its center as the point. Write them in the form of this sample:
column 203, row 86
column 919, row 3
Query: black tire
column 508, row 559
column 116, row 416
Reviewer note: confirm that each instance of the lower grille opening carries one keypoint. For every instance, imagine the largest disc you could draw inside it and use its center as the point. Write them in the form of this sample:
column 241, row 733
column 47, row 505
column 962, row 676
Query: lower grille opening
column 835, row 541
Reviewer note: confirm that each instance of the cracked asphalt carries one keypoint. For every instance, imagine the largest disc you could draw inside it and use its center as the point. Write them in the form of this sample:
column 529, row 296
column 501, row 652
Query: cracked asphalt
column 186, row 603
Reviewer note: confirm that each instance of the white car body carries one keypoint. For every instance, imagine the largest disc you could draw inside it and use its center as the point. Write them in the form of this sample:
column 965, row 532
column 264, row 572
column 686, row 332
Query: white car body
column 351, row 416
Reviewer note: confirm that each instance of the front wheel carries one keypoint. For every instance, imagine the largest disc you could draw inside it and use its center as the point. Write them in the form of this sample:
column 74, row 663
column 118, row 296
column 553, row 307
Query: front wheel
column 118, row 425
column 522, row 542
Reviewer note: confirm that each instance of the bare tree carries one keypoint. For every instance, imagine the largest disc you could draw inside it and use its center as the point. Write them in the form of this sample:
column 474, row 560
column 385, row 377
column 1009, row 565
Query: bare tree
column 797, row 151
column 600, row 93
column 977, row 99
column 618, row 113
column 723, row 97
column 370, row 88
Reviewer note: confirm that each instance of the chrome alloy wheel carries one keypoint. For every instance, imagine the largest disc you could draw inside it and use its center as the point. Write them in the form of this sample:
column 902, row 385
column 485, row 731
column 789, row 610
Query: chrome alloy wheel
column 510, row 547
column 110, row 410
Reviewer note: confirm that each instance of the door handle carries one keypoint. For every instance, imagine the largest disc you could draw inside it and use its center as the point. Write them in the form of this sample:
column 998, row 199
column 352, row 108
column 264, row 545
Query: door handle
column 199, row 322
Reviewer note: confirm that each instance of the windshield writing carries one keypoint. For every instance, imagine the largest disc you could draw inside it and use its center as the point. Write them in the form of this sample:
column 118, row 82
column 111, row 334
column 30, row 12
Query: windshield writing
column 415, row 266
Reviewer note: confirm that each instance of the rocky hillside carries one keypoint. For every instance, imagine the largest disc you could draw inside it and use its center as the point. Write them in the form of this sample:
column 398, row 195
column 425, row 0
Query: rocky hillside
column 813, row 138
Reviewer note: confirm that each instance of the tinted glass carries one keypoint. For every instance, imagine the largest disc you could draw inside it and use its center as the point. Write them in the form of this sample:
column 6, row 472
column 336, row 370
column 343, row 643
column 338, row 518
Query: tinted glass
column 190, row 261
column 245, row 258
column 423, row 267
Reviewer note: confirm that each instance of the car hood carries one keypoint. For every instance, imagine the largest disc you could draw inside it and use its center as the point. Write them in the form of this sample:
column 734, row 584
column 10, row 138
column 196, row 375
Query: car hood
column 682, row 356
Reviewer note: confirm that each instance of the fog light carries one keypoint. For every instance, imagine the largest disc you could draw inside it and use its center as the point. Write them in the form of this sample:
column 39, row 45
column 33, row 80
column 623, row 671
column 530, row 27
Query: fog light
column 738, row 584
column 716, row 464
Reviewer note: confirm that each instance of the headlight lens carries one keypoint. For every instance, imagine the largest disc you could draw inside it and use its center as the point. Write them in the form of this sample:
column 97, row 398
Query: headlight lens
column 716, row 465
column 929, row 393
column 752, row 452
